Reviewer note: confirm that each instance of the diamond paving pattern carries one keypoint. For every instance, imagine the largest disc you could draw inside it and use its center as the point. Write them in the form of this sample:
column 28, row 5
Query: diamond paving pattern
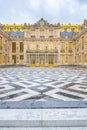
column 43, row 84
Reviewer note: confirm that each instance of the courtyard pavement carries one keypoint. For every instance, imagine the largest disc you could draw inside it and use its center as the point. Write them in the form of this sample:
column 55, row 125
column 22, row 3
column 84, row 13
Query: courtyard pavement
column 25, row 87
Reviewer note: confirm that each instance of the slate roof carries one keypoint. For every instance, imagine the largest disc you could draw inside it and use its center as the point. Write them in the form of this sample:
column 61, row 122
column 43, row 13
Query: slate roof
column 18, row 33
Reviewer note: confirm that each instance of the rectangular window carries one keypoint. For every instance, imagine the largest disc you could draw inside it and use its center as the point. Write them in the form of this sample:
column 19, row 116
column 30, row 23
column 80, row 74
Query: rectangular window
column 82, row 43
column 50, row 32
column 21, row 47
column 21, row 57
column 41, row 33
column 70, row 47
column 32, row 33
column 0, row 42
column 14, row 59
column 62, row 47
column 13, row 47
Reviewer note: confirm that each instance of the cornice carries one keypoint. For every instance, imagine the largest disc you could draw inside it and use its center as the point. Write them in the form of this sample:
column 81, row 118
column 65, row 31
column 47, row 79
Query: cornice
column 79, row 34
column 4, row 34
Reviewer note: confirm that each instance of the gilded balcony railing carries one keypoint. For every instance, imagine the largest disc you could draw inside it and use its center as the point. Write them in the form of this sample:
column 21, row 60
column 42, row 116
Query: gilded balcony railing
column 42, row 51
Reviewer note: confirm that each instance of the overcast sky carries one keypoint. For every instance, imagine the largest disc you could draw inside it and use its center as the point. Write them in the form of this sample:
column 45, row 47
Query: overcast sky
column 30, row 11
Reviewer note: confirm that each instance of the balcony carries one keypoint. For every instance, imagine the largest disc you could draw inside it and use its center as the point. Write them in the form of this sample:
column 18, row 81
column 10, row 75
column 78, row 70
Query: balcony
column 42, row 51
column 51, row 37
column 42, row 36
column 33, row 36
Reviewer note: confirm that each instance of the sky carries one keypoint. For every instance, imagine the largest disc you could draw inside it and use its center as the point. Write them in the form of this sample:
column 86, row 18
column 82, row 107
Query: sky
column 54, row 11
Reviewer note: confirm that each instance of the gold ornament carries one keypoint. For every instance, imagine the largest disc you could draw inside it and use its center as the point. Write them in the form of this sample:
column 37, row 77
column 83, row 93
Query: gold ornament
column 62, row 30
column 69, row 30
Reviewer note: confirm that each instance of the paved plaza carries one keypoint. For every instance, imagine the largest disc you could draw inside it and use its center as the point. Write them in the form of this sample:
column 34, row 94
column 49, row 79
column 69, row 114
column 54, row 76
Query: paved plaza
column 25, row 87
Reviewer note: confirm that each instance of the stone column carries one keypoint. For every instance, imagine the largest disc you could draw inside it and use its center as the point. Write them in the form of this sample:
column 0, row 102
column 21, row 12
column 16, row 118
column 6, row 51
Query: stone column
column 25, row 54
column 86, row 58
column 29, row 59
column 46, row 60
column 74, row 53
column 85, row 47
column 55, row 59
column 17, row 52
column 3, row 51
column 37, row 59
column 10, row 53
column 59, row 48
column 67, row 55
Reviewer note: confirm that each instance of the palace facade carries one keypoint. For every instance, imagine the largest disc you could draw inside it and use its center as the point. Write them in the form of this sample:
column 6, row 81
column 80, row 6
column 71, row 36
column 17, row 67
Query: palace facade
column 43, row 44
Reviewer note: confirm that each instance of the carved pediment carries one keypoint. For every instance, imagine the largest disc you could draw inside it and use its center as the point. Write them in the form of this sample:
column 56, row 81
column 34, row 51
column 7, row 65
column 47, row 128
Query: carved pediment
column 42, row 23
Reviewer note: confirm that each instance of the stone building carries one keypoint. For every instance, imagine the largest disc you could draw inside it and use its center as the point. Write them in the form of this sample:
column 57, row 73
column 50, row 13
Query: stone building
column 43, row 44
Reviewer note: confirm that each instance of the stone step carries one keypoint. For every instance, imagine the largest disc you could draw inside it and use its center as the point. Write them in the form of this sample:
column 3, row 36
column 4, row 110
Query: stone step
column 43, row 118
column 43, row 128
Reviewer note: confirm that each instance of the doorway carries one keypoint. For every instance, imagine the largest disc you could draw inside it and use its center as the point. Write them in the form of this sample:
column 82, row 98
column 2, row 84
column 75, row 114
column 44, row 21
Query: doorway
column 33, row 60
column 51, row 60
column 42, row 60
column 0, row 58
column 14, row 59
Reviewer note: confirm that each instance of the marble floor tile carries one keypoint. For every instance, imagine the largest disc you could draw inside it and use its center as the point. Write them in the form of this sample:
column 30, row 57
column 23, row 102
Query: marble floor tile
column 41, row 86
